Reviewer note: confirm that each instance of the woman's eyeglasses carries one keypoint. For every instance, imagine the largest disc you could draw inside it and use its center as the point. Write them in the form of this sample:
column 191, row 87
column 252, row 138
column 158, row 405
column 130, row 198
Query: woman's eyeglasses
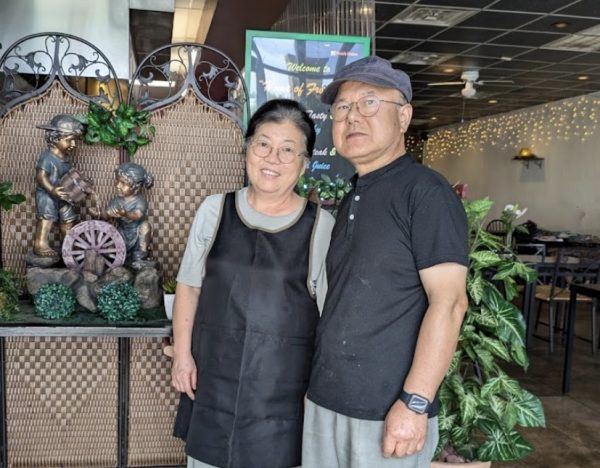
column 286, row 153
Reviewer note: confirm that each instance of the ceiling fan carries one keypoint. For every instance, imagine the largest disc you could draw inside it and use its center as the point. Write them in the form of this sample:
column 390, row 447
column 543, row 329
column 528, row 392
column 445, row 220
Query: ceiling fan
column 469, row 80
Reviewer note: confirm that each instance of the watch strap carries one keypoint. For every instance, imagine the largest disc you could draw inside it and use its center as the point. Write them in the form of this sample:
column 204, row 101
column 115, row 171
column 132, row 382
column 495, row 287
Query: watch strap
column 415, row 402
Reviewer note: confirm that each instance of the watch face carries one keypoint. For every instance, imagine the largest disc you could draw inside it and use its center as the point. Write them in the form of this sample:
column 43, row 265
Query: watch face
column 418, row 404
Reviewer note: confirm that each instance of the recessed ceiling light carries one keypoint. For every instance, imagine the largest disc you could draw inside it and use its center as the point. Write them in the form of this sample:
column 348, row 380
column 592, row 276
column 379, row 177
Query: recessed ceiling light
column 492, row 101
column 434, row 118
column 583, row 77
column 561, row 25
column 448, row 70
column 505, row 58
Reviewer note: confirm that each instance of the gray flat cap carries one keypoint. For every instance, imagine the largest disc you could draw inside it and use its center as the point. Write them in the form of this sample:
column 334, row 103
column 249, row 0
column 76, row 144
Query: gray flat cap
column 371, row 70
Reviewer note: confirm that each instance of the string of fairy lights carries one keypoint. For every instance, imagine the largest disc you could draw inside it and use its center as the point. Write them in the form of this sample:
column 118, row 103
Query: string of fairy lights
column 569, row 119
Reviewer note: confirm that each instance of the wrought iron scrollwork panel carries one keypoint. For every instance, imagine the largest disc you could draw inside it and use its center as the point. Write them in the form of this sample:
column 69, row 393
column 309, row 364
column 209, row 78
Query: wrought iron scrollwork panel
column 30, row 65
column 170, row 71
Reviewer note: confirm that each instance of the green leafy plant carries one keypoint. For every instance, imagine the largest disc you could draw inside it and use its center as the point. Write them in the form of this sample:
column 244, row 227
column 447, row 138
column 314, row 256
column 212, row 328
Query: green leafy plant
column 118, row 301
column 126, row 127
column 480, row 405
column 54, row 301
column 9, row 293
column 169, row 286
column 7, row 198
column 324, row 189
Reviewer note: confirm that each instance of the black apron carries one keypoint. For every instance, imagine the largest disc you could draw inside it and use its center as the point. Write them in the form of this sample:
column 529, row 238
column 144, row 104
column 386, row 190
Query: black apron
column 252, row 342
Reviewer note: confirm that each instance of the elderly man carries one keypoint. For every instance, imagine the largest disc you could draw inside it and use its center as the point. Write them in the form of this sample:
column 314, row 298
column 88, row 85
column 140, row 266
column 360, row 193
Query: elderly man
column 396, row 267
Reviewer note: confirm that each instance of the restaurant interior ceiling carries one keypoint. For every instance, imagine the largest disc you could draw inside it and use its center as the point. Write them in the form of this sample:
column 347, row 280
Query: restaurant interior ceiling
column 540, row 50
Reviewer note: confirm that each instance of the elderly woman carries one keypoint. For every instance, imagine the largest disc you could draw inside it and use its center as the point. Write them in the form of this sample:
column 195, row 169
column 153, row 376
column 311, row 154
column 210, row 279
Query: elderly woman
column 250, row 289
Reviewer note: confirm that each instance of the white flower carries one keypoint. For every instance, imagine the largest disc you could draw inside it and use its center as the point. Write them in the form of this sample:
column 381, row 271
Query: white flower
column 519, row 213
column 509, row 207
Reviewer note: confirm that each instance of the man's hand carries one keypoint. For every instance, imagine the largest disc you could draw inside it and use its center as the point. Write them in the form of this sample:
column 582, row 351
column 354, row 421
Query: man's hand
column 183, row 374
column 404, row 431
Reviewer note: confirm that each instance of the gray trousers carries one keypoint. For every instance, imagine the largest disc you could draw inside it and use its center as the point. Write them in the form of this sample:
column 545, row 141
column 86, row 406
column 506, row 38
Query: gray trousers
column 332, row 440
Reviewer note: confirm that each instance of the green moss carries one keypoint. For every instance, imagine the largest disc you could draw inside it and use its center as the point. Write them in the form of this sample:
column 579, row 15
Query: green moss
column 118, row 302
column 54, row 301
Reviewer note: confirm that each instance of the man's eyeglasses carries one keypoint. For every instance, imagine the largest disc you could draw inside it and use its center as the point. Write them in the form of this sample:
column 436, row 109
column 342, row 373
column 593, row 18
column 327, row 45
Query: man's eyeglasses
column 367, row 106
column 286, row 153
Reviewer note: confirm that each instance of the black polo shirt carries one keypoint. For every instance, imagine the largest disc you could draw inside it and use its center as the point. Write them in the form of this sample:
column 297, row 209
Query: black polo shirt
column 397, row 220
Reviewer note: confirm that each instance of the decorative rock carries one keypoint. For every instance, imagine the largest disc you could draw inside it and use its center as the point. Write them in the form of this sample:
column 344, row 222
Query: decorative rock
column 34, row 260
column 38, row 277
column 85, row 297
column 147, row 284
column 116, row 275
column 94, row 263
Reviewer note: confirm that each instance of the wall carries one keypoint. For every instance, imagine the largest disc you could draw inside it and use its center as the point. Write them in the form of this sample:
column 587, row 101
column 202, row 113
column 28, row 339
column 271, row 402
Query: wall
column 561, row 195
column 104, row 23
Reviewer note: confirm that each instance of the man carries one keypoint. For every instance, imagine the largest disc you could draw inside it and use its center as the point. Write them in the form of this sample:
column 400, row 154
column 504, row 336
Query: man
column 396, row 269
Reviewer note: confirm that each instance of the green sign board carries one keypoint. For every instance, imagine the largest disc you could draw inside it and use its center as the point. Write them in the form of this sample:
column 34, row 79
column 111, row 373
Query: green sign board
column 299, row 66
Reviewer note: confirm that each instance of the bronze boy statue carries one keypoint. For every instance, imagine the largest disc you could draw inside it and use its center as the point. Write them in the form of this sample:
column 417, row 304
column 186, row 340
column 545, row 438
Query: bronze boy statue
column 52, row 200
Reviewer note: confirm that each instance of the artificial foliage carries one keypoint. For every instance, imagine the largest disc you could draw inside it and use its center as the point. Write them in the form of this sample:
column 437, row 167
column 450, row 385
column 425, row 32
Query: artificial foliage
column 126, row 127
column 480, row 404
column 7, row 197
column 118, row 302
column 324, row 189
column 54, row 301
column 9, row 293
column 169, row 286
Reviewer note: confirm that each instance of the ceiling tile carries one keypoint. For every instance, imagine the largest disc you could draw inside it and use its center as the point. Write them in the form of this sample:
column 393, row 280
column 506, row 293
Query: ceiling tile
column 409, row 31
column 476, row 35
column 394, row 44
column 583, row 8
column 530, row 38
column 469, row 62
column 568, row 67
column 488, row 19
column 575, row 24
column 592, row 57
column 442, row 47
column 497, row 51
column 537, row 6
column 549, row 55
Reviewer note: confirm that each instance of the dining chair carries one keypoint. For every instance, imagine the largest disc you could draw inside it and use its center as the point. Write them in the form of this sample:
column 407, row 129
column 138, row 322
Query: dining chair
column 538, row 250
column 552, row 289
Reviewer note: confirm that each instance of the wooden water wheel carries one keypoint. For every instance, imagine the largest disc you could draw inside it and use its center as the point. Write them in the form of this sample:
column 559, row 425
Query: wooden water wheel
column 99, row 236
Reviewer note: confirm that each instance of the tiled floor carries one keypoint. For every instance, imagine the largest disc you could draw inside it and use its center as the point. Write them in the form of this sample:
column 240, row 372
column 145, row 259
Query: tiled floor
column 572, row 434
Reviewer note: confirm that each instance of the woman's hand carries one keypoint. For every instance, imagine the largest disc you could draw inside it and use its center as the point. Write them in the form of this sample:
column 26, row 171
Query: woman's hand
column 183, row 374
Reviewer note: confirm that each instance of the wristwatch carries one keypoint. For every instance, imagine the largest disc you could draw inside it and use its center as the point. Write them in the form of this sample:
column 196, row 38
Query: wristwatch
column 417, row 403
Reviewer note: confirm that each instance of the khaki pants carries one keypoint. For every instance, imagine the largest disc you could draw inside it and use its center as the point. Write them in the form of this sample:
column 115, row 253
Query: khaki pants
column 332, row 440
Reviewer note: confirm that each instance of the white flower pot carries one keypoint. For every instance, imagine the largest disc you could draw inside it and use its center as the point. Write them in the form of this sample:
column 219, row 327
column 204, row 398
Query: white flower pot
column 169, row 299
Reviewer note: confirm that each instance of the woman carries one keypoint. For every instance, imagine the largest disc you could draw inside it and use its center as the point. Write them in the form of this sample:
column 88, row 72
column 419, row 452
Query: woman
column 250, row 288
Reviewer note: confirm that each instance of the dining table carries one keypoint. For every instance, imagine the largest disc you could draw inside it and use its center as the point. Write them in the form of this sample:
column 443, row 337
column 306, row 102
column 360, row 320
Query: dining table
column 590, row 290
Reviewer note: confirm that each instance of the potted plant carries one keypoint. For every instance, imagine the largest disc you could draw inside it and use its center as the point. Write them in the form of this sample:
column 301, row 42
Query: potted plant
column 169, row 296
column 480, row 405
column 126, row 127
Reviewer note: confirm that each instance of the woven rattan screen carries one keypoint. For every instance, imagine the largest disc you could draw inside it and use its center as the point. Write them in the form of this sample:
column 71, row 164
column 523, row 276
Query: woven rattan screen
column 152, row 407
column 61, row 399
column 20, row 146
column 197, row 152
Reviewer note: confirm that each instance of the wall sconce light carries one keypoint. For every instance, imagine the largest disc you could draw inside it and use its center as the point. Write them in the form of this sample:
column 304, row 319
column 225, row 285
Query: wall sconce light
column 526, row 156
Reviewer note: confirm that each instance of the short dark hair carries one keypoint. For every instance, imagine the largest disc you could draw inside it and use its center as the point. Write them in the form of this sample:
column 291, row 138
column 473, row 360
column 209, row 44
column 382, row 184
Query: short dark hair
column 280, row 110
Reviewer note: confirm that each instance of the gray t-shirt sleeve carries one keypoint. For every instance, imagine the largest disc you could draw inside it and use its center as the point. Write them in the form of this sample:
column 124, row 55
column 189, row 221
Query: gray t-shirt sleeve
column 202, row 233
column 318, row 273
